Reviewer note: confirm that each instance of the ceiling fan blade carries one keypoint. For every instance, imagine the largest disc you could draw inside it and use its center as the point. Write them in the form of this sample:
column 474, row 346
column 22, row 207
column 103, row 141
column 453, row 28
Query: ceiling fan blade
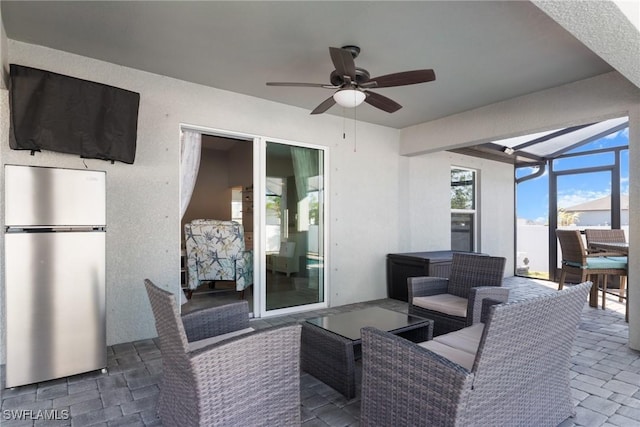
column 401, row 79
column 324, row 106
column 292, row 84
column 343, row 61
column 381, row 102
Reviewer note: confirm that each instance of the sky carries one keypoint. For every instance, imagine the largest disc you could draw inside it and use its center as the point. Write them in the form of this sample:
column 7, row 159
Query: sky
column 532, row 196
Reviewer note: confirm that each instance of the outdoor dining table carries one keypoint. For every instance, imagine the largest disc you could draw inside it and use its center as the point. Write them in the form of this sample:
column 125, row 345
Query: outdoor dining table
column 620, row 247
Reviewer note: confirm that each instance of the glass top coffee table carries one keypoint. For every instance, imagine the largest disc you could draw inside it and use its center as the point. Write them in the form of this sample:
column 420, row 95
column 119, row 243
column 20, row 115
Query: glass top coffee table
column 331, row 344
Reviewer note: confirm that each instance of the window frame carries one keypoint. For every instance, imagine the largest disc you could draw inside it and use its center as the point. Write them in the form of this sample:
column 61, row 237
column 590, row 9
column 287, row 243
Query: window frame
column 473, row 211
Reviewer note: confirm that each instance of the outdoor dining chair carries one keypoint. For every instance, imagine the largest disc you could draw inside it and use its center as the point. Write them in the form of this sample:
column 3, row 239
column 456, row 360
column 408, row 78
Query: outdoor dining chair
column 576, row 260
column 596, row 237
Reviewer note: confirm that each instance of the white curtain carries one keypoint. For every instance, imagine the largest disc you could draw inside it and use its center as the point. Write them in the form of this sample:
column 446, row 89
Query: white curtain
column 305, row 166
column 190, row 144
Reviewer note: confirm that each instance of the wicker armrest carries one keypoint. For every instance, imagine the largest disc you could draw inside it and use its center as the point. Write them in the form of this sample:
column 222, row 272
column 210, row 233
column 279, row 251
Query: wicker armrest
column 424, row 286
column 209, row 322
column 487, row 303
column 389, row 394
column 478, row 295
column 267, row 360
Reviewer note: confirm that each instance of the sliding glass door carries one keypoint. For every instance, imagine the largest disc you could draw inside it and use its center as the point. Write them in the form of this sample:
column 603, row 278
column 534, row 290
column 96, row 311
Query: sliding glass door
column 294, row 215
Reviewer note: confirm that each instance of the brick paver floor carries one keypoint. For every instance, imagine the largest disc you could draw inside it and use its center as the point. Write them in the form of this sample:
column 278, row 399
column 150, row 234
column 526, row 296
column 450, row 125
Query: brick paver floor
column 605, row 378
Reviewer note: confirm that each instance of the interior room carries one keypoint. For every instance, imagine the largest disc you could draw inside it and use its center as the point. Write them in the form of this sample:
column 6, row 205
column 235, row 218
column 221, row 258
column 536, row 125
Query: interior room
column 223, row 190
column 324, row 192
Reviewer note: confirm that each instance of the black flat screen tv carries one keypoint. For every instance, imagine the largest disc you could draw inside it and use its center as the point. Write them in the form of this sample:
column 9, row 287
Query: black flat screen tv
column 51, row 111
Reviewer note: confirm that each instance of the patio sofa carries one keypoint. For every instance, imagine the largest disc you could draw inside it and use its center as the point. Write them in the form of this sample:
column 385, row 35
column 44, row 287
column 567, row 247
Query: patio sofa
column 512, row 369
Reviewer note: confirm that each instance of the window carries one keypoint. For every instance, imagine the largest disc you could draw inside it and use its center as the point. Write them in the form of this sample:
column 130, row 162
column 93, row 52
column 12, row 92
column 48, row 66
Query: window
column 463, row 209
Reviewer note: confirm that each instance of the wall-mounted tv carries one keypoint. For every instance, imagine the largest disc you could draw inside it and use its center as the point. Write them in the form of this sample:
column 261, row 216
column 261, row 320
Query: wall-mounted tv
column 51, row 111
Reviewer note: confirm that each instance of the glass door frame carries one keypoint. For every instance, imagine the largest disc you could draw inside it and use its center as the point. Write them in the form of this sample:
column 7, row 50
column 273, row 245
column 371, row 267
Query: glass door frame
column 260, row 223
column 249, row 138
column 259, row 218
column 614, row 174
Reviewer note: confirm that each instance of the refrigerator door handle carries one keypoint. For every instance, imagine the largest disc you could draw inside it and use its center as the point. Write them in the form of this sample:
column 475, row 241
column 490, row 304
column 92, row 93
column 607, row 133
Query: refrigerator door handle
column 53, row 229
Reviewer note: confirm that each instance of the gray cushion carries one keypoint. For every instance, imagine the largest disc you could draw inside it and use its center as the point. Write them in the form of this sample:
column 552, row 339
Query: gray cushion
column 466, row 339
column 460, row 357
column 443, row 303
column 460, row 346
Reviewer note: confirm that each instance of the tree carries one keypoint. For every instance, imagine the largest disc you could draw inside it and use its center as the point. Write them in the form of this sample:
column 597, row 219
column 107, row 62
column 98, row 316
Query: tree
column 274, row 205
column 567, row 218
column 461, row 189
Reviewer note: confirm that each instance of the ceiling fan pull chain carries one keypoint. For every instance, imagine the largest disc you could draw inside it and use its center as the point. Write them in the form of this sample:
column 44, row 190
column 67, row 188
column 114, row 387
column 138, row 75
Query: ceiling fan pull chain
column 344, row 123
column 355, row 129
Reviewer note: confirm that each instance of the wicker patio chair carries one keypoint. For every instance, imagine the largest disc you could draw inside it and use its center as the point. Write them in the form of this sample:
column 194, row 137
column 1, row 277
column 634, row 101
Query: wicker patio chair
column 519, row 375
column 248, row 379
column 576, row 260
column 456, row 302
column 607, row 236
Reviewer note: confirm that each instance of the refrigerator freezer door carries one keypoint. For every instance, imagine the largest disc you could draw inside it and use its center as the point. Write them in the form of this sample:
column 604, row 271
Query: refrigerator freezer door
column 46, row 197
column 55, row 292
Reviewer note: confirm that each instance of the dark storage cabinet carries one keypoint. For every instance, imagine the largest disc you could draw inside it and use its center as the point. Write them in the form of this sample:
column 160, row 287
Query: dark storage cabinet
column 402, row 266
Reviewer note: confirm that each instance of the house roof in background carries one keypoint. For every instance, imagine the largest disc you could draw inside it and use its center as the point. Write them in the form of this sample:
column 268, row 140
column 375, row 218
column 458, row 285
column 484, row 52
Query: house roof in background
column 602, row 204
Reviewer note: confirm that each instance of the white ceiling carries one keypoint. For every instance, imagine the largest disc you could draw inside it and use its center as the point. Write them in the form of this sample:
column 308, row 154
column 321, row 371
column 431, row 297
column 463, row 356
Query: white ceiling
column 482, row 51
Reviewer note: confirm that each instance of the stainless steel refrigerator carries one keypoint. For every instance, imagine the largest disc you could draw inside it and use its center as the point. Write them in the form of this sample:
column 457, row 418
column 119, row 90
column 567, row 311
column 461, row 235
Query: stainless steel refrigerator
column 55, row 224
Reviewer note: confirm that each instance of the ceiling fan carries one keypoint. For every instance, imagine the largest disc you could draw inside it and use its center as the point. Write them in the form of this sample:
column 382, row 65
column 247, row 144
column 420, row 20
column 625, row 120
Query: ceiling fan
column 352, row 83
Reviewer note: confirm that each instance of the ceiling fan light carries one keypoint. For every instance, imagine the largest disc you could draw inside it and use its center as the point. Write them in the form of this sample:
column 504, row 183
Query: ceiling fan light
column 349, row 98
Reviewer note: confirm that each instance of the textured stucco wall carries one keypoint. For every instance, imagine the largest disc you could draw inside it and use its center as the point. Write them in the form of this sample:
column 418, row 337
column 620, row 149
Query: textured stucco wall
column 609, row 28
column 602, row 97
column 371, row 188
column 143, row 238
column 429, row 204
column 598, row 98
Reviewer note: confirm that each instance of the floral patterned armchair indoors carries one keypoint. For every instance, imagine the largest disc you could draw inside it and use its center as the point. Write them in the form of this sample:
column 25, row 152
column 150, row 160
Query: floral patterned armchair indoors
column 215, row 251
